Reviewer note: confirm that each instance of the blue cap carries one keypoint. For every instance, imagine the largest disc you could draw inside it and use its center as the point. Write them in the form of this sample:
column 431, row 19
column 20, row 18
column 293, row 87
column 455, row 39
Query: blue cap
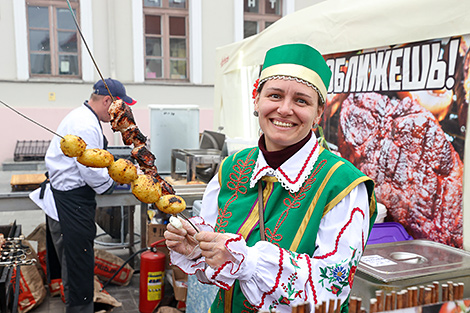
column 115, row 87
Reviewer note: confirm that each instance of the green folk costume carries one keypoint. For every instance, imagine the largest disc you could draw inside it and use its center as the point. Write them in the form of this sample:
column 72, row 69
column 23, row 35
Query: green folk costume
column 291, row 219
column 318, row 213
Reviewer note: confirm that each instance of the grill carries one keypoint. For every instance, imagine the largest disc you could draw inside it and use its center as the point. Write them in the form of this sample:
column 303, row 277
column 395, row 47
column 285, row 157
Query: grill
column 6, row 287
column 121, row 152
column 30, row 150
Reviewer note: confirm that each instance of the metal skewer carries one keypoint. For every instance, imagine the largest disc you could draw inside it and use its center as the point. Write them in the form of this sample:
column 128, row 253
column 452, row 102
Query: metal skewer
column 187, row 220
column 104, row 82
column 31, row 120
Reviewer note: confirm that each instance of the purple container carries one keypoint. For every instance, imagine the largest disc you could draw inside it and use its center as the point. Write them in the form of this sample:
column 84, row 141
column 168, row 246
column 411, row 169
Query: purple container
column 388, row 232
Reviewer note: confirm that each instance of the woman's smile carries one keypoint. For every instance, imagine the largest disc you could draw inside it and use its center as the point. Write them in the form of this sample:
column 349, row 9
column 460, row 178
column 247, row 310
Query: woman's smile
column 287, row 110
column 282, row 124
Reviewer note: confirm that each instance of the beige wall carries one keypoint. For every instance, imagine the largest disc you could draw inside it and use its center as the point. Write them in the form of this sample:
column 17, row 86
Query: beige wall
column 7, row 39
column 32, row 99
column 217, row 30
column 112, row 31
column 111, row 42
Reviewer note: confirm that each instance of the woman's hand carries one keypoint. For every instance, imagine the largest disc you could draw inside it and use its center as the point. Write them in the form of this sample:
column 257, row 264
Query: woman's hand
column 182, row 240
column 213, row 248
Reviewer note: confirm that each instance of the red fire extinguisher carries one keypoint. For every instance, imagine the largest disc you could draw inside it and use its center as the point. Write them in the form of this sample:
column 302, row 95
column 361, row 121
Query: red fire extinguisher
column 152, row 275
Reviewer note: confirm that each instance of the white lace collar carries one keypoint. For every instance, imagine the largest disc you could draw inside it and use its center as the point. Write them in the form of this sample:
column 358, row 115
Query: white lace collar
column 293, row 172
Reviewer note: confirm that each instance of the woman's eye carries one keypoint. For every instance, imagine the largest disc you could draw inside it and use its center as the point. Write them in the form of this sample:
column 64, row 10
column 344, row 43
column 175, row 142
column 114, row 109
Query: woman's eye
column 275, row 96
column 302, row 101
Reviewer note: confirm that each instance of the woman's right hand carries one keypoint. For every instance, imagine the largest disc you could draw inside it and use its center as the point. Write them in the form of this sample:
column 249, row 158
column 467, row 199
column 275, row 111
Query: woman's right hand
column 182, row 240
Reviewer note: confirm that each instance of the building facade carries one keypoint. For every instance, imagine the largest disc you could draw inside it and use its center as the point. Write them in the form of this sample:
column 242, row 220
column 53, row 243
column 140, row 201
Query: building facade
column 162, row 50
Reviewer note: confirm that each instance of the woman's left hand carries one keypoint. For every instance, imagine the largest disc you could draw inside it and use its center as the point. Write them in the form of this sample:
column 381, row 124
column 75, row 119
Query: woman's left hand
column 213, row 248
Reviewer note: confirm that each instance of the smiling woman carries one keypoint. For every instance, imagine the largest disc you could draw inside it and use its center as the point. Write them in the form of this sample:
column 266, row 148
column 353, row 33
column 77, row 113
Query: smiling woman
column 284, row 222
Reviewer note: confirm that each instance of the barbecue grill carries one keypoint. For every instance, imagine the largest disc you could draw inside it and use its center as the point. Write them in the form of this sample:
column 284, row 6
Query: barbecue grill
column 30, row 150
column 6, row 287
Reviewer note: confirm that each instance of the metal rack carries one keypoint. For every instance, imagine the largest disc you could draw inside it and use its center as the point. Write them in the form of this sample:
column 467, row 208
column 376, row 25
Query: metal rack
column 30, row 150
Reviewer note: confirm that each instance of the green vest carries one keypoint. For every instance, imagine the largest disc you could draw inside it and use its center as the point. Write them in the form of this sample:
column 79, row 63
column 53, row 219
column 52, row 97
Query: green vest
column 291, row 219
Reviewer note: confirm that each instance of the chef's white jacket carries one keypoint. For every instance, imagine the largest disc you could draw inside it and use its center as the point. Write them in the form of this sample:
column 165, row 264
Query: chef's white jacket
column 65, row 173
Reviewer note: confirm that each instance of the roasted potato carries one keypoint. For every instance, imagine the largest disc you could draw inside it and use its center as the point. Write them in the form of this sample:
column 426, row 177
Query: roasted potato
column 72, row 146
column 122, row 171
column 96, row 158
column 171, row 204
column 146, row 188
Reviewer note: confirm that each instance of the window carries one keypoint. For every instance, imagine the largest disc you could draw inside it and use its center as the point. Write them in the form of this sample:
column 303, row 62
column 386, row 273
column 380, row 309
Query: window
column 52, row 34
column 259, row 15
column 166, row 39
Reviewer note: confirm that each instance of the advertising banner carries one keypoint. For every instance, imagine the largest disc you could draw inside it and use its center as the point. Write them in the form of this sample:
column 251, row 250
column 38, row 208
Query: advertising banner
column 399, row 114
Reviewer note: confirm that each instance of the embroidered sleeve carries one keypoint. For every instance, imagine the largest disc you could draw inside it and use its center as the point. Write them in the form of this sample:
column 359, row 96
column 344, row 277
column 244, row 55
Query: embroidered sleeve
column 274, row 278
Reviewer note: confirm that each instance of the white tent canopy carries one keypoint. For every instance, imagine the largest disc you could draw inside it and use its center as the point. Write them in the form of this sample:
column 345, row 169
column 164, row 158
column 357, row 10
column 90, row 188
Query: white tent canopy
column 332, row 26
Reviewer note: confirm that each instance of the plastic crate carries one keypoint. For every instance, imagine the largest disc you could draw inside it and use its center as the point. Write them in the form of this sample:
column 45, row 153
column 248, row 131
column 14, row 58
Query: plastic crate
column 388, row 232
column 30, row 150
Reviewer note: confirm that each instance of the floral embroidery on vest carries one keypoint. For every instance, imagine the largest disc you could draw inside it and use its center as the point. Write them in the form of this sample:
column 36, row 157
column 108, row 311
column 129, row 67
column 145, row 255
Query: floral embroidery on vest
column 238, row 179
column 292, row 203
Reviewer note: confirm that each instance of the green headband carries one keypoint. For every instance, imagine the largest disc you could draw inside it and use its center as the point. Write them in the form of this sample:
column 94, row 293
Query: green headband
column 298, row 61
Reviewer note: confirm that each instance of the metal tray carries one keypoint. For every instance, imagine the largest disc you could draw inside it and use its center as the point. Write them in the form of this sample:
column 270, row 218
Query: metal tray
column 396, row 266
column 410, row 259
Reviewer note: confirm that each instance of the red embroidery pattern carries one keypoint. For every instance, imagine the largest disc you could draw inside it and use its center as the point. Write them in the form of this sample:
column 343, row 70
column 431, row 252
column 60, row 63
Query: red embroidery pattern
column 260, row 171
column 219, row 270
column 249, row 307
column 220, row 299
column 310, row 281
column 300, row 174
column 355, row 210
column 363, row 242
column 278, row 278
column 292, row 203
column 238, row 179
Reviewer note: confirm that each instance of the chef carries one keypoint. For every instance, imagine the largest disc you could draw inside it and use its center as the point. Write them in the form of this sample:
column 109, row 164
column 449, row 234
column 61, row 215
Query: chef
column 73, row 186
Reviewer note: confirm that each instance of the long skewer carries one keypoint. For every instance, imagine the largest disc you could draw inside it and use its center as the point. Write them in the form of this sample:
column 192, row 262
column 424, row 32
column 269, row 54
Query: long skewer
column 88, row 49
column 99, row 72
column 31, row 120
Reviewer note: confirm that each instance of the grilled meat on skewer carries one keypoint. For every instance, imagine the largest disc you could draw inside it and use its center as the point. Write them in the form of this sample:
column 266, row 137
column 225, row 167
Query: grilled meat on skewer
column 122, row 120
column 133, row 135
column 167, row 189
column 121, row 116
column 143, row 156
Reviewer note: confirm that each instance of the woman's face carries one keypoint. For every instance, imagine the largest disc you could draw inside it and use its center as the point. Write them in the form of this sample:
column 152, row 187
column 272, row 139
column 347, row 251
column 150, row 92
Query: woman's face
column 287, row 112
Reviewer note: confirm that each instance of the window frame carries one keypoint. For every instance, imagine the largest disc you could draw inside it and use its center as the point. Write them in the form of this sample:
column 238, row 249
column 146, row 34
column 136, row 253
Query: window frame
column 261, row 17
column 165, row 13
column 52, row 6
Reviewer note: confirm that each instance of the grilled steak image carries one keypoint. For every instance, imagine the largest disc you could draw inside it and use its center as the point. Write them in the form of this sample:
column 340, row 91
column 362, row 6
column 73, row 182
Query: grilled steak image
column 418, row 174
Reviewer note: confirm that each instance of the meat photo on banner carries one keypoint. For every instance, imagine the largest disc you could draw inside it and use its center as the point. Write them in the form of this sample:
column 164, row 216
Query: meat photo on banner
column 399, row 114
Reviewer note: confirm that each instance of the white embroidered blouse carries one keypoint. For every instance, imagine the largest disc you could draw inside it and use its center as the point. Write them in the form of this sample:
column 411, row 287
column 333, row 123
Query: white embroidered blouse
column 272, row 278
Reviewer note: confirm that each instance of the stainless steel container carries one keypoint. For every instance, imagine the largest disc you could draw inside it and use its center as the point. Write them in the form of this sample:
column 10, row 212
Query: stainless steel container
column 398, row 265
column 172, row 126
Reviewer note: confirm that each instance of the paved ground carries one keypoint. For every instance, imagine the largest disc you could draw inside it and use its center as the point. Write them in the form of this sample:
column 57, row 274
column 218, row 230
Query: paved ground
column 29, row 220
column 127, row 295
